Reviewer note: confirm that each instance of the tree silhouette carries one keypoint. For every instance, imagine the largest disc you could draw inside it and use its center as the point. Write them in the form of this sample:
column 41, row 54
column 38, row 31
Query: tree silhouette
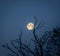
column 46, row 45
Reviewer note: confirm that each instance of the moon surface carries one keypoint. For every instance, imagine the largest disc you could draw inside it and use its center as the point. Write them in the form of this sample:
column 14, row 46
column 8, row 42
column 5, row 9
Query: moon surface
column 30, row 26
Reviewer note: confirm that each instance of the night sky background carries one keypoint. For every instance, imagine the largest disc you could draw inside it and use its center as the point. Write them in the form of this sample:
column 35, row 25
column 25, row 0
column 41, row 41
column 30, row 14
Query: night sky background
column 15, row 14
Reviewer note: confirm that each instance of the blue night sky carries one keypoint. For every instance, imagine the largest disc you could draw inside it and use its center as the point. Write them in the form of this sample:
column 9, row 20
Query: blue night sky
column 15, row 14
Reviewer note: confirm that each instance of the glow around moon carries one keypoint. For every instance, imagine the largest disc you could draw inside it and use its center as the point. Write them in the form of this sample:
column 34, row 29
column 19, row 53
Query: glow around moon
column 30, row 26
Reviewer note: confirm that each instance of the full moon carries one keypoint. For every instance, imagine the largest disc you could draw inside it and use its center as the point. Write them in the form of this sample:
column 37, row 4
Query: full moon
column 30, row 26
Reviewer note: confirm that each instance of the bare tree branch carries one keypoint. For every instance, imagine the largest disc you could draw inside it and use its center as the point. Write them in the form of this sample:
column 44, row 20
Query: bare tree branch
column 7, row 46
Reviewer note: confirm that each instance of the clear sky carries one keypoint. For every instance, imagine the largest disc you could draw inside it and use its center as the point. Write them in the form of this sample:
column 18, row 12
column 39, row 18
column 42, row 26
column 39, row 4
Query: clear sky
column 15, row 14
